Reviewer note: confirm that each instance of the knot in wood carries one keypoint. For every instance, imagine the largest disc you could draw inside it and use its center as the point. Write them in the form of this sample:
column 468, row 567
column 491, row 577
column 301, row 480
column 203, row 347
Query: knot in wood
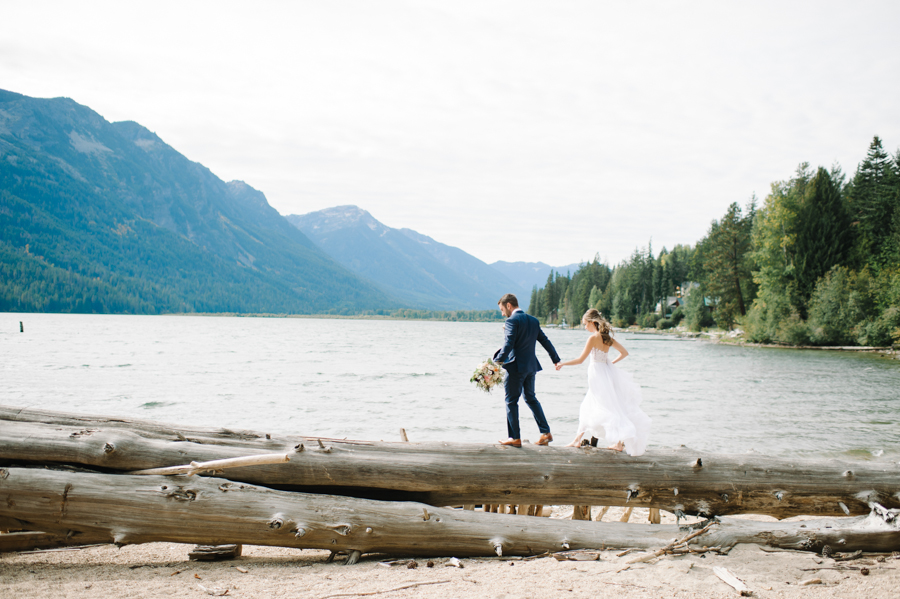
column 298, row 448
column 276, row 523
column 4, row 473
column 698, row 463
column 109, row 447
column 369, row 531
column 341, row 529
column 779, row 495
column 300, row 532
column 725, row 497
column 848, row 473
column 181, row 494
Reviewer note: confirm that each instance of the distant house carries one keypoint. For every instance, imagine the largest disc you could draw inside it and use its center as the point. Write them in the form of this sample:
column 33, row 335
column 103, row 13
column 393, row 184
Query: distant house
column 671, row 303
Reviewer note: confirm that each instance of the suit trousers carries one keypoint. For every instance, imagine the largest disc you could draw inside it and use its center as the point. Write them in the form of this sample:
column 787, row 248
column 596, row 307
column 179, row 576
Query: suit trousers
column 516, row 384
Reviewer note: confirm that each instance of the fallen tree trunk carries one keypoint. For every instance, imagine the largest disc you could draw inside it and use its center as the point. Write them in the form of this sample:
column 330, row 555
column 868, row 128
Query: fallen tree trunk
column 680, row 481
column 128, row 509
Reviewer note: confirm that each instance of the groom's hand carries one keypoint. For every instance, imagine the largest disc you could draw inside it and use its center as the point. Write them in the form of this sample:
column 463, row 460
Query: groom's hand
column 558, row 365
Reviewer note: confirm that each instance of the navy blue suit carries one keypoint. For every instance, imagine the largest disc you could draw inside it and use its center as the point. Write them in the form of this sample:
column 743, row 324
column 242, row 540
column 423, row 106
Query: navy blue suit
column 521, row 332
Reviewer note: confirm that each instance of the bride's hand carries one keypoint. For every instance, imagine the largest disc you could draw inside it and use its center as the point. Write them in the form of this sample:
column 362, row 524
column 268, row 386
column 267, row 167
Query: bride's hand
column 559, row 365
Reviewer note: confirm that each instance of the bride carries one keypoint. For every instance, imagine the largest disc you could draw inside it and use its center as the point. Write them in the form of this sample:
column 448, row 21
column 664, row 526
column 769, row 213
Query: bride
column 611, row 408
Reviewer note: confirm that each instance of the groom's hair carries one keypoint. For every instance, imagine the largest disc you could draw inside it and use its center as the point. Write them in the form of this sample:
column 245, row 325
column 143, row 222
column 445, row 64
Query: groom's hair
column 509, row 298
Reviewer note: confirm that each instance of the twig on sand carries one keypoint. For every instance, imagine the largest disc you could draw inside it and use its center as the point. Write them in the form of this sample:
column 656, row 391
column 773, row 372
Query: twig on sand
column 671, row 546
column 400, row 588
column 78, row 548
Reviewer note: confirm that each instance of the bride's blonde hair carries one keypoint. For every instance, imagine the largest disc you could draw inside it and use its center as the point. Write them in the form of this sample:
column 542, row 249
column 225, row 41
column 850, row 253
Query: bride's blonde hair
column 603, row 326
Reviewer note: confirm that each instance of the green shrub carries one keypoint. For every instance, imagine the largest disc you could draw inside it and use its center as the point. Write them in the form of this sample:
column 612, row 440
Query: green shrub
column 648, row 321
column 793, row 330
column 696, row 314
column 665, row 323
column 882, row 331
column 843, row 311
column 678, row 315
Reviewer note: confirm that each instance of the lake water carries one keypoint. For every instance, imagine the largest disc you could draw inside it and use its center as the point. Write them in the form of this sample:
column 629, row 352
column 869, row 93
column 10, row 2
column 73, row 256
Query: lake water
column 365, row 379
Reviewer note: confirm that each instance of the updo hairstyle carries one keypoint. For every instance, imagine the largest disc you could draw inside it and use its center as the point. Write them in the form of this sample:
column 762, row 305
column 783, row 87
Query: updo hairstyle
column 603, row 325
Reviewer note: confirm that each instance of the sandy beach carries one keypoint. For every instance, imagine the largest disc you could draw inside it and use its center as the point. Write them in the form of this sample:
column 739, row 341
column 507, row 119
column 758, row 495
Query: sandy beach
column 163, row 570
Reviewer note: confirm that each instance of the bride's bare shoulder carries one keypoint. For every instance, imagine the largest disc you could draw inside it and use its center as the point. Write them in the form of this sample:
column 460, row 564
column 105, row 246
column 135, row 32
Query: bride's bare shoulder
column 597, row 342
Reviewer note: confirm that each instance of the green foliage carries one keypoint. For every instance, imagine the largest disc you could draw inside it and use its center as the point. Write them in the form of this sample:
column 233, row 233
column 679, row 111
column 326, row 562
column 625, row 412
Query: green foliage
column 819, row 262
column 824, row 236
column 648, row 320
column 696, row 313
column 665, row 323
column 873, row 197
column 723, row 263
column 840, row 307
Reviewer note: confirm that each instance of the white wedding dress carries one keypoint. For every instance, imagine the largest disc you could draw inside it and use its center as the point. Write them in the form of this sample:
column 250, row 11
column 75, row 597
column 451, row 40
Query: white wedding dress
column 611, row 408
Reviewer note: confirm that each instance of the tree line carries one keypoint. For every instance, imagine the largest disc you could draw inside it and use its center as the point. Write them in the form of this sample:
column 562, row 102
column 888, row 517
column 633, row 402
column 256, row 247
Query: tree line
column 818, row 262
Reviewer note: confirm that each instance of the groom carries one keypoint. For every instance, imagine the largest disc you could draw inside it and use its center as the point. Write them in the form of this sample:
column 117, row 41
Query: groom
column 517, row 357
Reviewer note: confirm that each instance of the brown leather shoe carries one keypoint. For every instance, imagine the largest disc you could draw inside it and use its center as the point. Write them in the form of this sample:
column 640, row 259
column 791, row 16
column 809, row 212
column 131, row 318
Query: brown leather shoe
column 545, row 439
column 511, row 442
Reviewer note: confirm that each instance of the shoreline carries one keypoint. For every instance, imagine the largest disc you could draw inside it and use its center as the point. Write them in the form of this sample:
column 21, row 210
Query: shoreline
column 722, row 337
column 163, row 570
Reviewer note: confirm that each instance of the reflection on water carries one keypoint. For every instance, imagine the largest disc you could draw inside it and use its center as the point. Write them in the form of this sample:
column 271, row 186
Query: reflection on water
column 367, row 379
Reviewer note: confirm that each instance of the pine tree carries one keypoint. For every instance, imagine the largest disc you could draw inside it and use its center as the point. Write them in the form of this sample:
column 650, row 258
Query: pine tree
column 726, row 264
column 873, row 200
column 823, row 235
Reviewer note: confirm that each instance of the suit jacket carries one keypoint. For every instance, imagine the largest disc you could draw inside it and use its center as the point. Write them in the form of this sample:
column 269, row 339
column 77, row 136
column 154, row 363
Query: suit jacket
column 521, row 331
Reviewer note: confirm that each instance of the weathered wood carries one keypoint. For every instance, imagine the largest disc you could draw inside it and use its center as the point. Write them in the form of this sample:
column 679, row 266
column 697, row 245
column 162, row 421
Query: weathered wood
column 32, row 540
column 218, row 465
column 679, row 481
column 137, row 509
column 581, row 512
column 211, row 553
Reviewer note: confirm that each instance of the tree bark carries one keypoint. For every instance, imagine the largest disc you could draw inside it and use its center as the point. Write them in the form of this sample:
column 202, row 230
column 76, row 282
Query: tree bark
column 679, row 481
column 127, row 509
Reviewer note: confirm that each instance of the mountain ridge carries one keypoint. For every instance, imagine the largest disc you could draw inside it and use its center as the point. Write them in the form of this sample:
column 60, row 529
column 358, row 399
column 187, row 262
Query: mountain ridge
column 407, row 264
column 100, row 216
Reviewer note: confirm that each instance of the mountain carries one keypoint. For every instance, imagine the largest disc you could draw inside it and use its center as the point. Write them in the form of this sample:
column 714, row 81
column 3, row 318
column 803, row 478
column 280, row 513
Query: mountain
column 106, row 217
column 409, row 265
column 528, row 274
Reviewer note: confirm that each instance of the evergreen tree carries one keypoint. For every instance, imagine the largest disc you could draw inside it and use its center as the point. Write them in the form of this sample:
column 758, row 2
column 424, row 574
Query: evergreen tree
column 548, row 301
column 873, row 198
column 823, row 235
column 726, row 264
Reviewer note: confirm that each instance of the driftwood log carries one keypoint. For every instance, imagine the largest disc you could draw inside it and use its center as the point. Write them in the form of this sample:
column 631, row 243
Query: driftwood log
column 127, row 509
column 681, row 481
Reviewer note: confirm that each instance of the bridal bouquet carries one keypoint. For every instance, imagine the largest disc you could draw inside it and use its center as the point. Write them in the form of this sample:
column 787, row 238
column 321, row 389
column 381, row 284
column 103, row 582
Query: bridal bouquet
column 487, row 375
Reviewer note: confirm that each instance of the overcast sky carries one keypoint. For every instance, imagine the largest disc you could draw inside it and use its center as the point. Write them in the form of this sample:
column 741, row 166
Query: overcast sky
column 537, row 131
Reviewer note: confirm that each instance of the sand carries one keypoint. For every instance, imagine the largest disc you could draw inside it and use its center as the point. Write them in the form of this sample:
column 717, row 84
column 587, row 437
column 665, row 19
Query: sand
column 163, row 570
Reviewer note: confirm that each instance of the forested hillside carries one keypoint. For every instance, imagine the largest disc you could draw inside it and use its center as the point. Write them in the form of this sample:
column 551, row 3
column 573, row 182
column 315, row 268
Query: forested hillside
column 105, row 217
column 817, row 263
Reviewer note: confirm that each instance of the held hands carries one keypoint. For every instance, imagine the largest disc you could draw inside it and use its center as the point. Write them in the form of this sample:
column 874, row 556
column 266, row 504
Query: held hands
column 559, row 365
